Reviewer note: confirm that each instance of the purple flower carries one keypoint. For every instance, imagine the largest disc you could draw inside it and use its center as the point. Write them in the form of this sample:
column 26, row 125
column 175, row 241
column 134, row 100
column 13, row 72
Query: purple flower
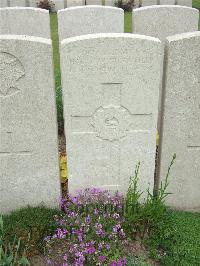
column 102, row 258
column 90, row 250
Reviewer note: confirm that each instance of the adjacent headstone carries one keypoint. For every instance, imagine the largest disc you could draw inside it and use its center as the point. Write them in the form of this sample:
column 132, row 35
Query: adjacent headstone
column 33, row 3
column 25, row 21
column 110, row 87
column 93, row 2
column 71, row 3
column 167, row 2
column 15, row 3
column 89, row 19
column 149, row 2
column 57, row 5
column 163, row 21
column 29, row 169
column 3, row 3
column 181, row 121
column 110, row 2
column 184, row 3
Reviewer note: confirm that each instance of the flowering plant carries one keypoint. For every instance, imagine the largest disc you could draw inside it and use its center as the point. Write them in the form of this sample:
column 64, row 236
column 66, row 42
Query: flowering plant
column 90, row 230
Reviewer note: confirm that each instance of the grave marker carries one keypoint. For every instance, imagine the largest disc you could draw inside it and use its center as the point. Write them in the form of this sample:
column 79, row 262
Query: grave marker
column 149, row 2
column 181, row 121
column 89, row 19
column 71, row 3
column 167, row 2
column 29, row 169
column 3, row 3
column 15, row 3
column 25, row 21
column 110, row 102
column 184, row 3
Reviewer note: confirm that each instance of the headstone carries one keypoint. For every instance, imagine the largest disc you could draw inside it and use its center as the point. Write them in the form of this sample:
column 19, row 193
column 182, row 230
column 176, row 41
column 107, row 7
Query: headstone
column 15, row 3
column 33, row 3
column 164, row 21
column 110, row 100
column 184, row 3
column 93, row 2
column 89, row 19
column 167, row 2
column 29, row 172
column 3, row 3
column 25, row 21
column 181, row 121
column 110, row 2
column 58, row 5
column 71, row 3
column 149, row 2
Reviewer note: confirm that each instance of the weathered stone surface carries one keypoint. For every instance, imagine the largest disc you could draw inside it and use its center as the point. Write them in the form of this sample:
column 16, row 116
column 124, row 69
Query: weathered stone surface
column 3, row 3
column 163, row 21
column 25, row 21
column 71, row 3
column 14, row 3
column 110, row 2
column 110, row 101
column 29, row 172
column 58, row 5
column 93, row 2
column 89, row 19
column 167, row 2
column 33, row 3
column 181, row 121
column 184, row 3
column 149, row 2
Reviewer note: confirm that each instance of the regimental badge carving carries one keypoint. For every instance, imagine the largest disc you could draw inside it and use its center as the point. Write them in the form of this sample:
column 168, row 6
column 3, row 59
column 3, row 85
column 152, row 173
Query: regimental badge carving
column 11, row 70
column 111, row 122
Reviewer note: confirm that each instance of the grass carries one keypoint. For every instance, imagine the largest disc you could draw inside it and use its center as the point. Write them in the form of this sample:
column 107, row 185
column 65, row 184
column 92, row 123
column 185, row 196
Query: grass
column 175, row 239
column 34, row 221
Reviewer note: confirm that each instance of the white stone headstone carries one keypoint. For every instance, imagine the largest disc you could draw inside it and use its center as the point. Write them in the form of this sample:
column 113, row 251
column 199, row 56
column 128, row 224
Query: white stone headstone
column 25, row 21
column 181, row 121
column 15, row 3
column 29, row 169
column 167, row 2
column 110, row 2
column 58, row 5
column 89, row 19
column 93, row 2
column 3, row 3
column 184, row 3
column 149, row 2
column 33, row 3
column 164, row 21
column 110, row 100
column 71, row 3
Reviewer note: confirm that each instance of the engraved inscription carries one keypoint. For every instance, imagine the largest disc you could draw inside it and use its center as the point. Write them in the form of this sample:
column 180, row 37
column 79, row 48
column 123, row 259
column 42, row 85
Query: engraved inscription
column 11, row 70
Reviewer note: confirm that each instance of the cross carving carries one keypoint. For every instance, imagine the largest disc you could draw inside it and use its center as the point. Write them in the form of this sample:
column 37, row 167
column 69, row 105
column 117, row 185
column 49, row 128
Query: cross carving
column 111, row 121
